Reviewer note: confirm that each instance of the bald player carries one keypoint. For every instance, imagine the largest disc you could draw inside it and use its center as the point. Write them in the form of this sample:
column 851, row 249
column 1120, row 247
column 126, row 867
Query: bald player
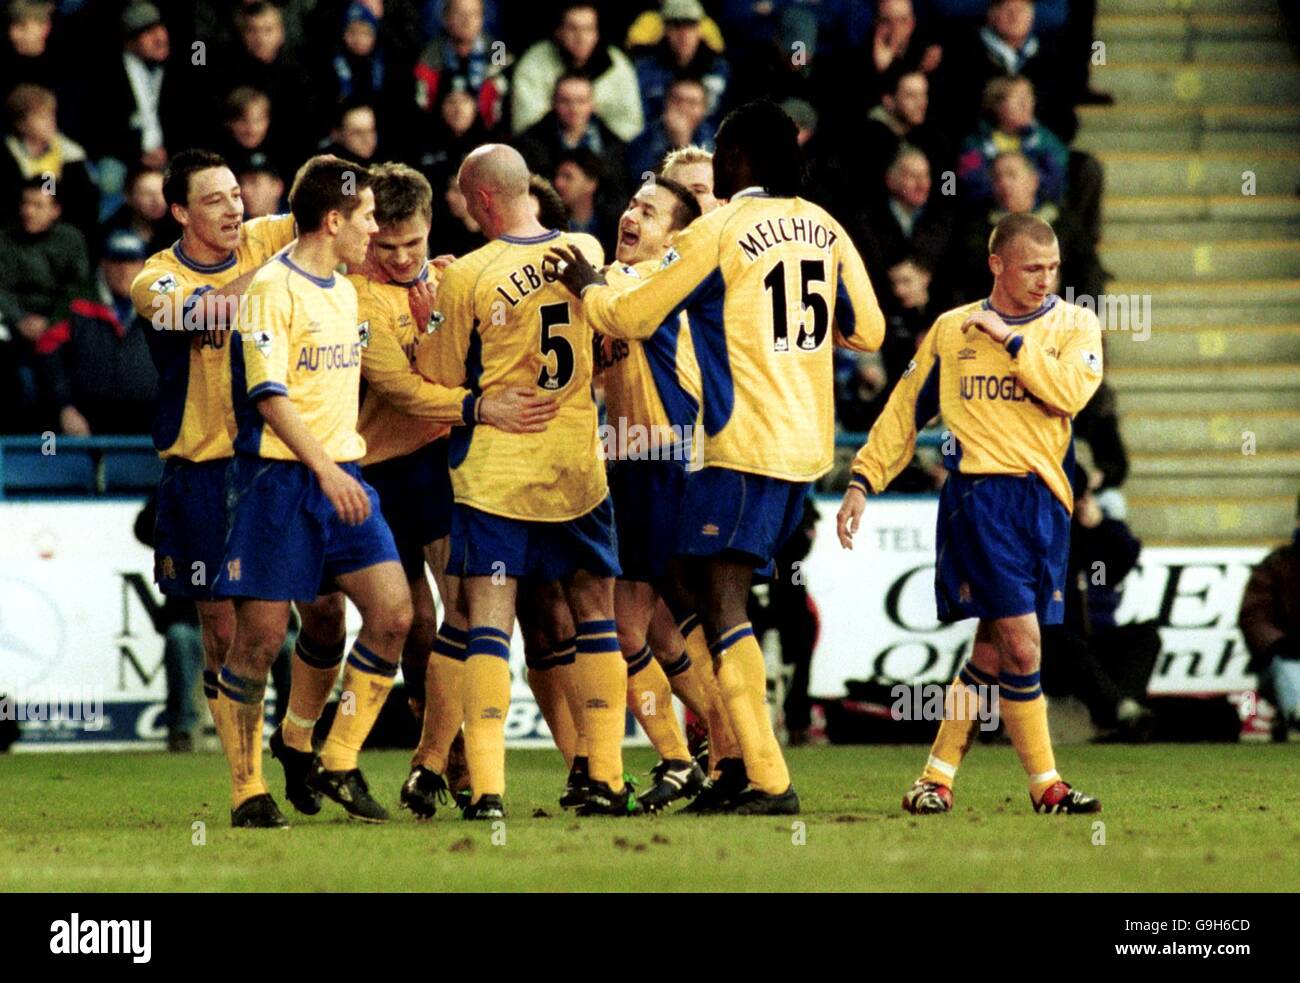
column 1008, row 374
column 527, row 505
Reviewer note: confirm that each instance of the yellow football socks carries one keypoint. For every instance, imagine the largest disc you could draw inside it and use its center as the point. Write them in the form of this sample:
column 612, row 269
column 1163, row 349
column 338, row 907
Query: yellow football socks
column 239, row 713
column 961, row 712
column 650, row 698
column 487, row 700
column 444, row 699
column 602, row 680
column 566, row 671
column 367, row 681
column 742, row 680
column 1024, row 711
column 315, row 668
column 696, row 686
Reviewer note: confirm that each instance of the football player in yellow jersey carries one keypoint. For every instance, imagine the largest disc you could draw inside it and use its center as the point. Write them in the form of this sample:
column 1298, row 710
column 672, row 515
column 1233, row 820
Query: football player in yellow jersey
column 767, row 281
column 405, row 420
column 189, row 293
column 299, row 515
column 652, row 391
column 1007, row 374
column 527, row 505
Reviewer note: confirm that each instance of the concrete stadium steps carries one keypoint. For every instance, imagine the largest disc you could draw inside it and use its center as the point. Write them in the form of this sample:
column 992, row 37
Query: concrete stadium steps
column 1215, row 476
column 1155, row 28
column 1220, row 172
column 1192, row 389
column 1201, row 218
column 1197, row 521
column 1206, row 91
column 1210, row 430
column 1179, row 81
column 1203, row 261
column 1111, row 7
column 1242, row 347
column 1214, row 303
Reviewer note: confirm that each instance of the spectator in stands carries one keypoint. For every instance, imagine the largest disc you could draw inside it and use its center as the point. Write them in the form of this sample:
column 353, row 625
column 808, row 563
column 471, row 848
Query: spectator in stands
column 360, row 64
column 262, row 189
column 355, row 136
column 904, row 219
column 681, row 54
column 751, row 25
column 264, row 63
column 1006, row 45
column 456, row 130
column 576, row 48
column 1107, row 666
column 1270, row 622
column 34, row 148
column 41, row 261
column 572, row 123
column 910, row 307
column 861, row 388
column 897, row 46
column 144, row 211
column 136, row 101
column 249, row 139
column 1009, row 125
column 462, row 51
column 1015, row 189
column 453, row 230
column 900, row 117
column 27, row 57
column 790, row 66
column 805, row 119
column 580, row 180
column 94, row 363
column 552, row 212
column 683, row 122
column 1097, row 426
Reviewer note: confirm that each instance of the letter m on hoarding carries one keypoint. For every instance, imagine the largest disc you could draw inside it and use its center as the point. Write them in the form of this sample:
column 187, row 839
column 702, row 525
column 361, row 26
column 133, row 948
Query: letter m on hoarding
column 135, row 584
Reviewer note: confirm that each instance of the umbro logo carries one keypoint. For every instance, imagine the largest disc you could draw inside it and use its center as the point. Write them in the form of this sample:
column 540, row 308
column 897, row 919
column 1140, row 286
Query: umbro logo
column 966, row 353
column 709, row 529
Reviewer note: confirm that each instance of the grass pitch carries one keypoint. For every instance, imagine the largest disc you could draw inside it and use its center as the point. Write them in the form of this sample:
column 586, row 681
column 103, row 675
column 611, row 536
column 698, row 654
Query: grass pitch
column 1177, row 818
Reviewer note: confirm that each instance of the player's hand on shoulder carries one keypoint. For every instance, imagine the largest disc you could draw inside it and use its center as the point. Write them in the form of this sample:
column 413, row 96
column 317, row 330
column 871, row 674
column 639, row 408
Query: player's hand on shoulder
column 443, row 261
column 518, row 410
column 850, row 515
column 573, row 268
column 989, row 323
column 423, row 298
column 345, row 493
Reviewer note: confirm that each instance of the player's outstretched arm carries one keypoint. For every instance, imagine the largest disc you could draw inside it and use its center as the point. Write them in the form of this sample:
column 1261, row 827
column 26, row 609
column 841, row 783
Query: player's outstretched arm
column 859, row 323
column 912, row 404
column 635, row 312
column 343, row 491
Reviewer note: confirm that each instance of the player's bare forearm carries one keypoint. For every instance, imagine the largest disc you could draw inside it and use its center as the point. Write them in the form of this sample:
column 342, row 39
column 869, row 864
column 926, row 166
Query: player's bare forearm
column 281, row 417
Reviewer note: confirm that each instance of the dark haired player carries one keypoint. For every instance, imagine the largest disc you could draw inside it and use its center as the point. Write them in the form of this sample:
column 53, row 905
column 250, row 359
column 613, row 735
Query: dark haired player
column 768, row 281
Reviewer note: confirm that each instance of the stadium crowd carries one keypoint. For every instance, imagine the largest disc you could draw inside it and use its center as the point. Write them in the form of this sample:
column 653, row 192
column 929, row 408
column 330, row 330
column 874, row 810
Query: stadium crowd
column 923, row 123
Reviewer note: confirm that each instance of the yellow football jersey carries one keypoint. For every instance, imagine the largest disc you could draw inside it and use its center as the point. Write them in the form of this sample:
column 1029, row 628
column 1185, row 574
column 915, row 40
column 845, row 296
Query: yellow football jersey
column 301, row 339
column 507, row 322
column 767, row 284
column 651, row 385
column 195, row 416
column 1008, row 408
column 401, row 411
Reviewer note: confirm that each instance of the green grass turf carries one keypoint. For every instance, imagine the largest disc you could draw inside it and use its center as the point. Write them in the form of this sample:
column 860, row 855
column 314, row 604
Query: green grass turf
column 1177, row 818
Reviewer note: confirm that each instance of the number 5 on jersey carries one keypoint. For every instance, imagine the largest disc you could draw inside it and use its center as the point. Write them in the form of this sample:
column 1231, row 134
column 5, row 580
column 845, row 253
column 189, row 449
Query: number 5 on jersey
column 811, row 271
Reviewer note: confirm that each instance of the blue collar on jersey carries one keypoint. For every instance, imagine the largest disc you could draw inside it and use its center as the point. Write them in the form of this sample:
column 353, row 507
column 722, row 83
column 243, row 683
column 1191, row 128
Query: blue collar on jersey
column 424, row 275
column 1048, row 304
column 530, row 240
column 320, row 281
column 179, row 253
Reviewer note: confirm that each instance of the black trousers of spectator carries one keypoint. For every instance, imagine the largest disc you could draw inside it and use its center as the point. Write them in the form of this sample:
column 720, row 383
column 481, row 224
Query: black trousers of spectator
column 1100, row 670
column 1084, row 182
